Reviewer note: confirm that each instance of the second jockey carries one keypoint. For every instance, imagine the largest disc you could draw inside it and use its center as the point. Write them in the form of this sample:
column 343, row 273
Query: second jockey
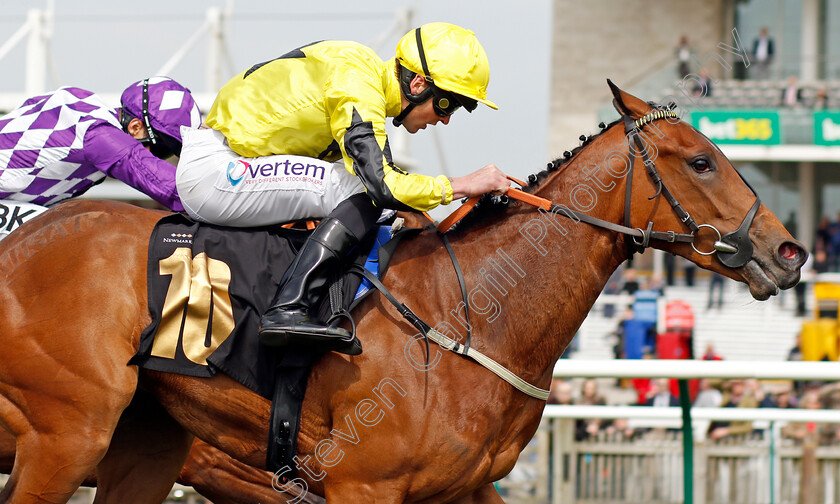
column 58, row 145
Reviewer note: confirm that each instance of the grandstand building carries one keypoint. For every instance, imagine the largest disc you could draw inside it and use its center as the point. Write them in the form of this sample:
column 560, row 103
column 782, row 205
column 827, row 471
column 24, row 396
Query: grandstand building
column 788, row 151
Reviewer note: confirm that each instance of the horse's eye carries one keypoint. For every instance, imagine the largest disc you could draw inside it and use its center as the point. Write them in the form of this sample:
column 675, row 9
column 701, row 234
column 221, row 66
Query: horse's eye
column 701, row 165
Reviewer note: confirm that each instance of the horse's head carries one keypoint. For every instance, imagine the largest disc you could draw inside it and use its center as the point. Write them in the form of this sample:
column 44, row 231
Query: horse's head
column 701, row 193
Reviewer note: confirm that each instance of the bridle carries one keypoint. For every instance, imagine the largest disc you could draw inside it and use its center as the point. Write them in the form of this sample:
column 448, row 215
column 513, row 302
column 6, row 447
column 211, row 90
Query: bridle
column 733, row 249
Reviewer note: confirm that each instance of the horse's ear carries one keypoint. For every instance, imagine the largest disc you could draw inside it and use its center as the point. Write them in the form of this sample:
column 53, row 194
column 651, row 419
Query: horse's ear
column 627, row 104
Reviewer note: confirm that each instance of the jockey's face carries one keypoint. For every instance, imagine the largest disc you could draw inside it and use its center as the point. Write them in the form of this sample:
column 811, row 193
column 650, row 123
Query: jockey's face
column 424, row 114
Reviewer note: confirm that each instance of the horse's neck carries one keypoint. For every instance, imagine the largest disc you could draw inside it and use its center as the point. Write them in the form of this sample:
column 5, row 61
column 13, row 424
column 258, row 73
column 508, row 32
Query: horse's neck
column 557, row 277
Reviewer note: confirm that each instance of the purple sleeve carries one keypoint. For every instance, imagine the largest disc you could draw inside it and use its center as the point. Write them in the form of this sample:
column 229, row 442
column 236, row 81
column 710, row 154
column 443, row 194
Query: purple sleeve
column 120, row 156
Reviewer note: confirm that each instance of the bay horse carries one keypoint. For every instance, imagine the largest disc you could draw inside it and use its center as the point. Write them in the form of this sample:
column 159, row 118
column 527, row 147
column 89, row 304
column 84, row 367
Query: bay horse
column 401, row 422
column 210, row 472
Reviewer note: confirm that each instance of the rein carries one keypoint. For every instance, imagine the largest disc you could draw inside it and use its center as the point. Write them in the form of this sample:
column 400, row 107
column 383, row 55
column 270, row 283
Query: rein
column 734, row 249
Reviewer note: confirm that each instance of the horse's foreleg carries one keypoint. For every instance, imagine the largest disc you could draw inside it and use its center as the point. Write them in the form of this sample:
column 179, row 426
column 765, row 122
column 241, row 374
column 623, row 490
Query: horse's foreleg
column 146, row 454
column 62, row 417
column 50, row 464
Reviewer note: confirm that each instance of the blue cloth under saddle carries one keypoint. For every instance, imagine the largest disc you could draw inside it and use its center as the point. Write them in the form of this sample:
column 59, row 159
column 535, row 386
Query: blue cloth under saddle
column 383, row 236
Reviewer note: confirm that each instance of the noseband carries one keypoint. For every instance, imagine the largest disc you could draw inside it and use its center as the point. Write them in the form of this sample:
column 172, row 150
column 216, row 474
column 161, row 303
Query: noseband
column 734, row 249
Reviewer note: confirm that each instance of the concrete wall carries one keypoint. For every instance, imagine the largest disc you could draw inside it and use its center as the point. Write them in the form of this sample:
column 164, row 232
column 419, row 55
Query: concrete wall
column 626, row 41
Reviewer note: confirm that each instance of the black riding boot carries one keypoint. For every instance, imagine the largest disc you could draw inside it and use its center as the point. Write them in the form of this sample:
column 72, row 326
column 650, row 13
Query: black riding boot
column 290, row 320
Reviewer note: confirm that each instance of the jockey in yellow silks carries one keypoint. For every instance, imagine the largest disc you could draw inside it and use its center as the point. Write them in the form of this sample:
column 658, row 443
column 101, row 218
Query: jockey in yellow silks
column 278, row 129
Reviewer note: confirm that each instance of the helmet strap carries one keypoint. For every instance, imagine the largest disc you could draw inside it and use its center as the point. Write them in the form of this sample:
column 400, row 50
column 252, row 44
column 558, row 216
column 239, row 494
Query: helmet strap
column 422, row 54
column 146, row 121
column 405, row 78
column 401, row 117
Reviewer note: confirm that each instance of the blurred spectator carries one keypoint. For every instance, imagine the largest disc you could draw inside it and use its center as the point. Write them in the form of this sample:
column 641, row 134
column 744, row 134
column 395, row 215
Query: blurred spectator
column 613, row 287
column 620, row 427
column 736, row 397
column 823, row 238
column 821, row 262
column 834, row 244
column 784, row 399
column 703, row 84
column 821, row 100
column 683, row 53
column 589, row 396
column 753, row 387
column 618, row 334
column 822, row 433
column 670, row 266
column 711, row 354
column 795, row 354
column 792, row 93
column 707, row 395
column 800, row 289
column 798, row 430
column 659, row 394
column 790, row 224
column 671, row 262
column 656, row 283
column 689, row 268
column 560, row 392
column 830, row 394
column 630, row 284
column 716, row 283
column 762, row 55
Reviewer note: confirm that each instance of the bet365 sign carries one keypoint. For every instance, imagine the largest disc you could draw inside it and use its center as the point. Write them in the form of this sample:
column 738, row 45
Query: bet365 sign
column 827, row 128
column 739, row 127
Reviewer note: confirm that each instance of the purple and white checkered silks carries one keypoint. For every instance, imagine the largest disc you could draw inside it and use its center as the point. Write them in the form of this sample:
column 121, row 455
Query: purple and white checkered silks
column 41, row 142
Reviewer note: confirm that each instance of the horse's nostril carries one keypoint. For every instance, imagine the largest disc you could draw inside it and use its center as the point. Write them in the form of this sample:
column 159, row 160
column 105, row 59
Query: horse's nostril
column 789, row 251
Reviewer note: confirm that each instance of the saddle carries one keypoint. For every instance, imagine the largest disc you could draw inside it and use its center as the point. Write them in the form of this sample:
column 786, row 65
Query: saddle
column 208, row 286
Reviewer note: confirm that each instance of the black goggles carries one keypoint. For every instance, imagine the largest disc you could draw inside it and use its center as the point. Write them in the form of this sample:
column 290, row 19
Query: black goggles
column 446, row 103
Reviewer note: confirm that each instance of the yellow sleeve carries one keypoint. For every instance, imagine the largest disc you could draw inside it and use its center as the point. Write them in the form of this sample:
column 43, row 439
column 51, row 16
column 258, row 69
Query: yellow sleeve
column 357, row 120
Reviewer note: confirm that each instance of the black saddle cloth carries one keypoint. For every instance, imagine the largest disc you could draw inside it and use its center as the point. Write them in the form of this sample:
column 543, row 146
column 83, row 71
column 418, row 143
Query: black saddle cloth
column 208, row 286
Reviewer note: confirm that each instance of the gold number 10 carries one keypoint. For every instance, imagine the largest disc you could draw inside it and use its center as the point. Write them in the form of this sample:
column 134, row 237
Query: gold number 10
column 199, row 284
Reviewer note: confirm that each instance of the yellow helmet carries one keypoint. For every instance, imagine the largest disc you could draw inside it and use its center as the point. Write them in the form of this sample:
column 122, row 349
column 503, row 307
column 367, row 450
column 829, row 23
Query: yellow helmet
column 451, row 59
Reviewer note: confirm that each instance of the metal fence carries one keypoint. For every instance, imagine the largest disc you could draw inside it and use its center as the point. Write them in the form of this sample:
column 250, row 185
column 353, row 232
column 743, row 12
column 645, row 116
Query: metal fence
column 648, row 466
column 644, row 464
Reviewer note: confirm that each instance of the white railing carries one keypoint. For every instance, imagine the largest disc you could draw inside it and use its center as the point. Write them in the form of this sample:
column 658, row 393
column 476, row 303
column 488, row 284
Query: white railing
column 564, row 455
column 690, row 369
